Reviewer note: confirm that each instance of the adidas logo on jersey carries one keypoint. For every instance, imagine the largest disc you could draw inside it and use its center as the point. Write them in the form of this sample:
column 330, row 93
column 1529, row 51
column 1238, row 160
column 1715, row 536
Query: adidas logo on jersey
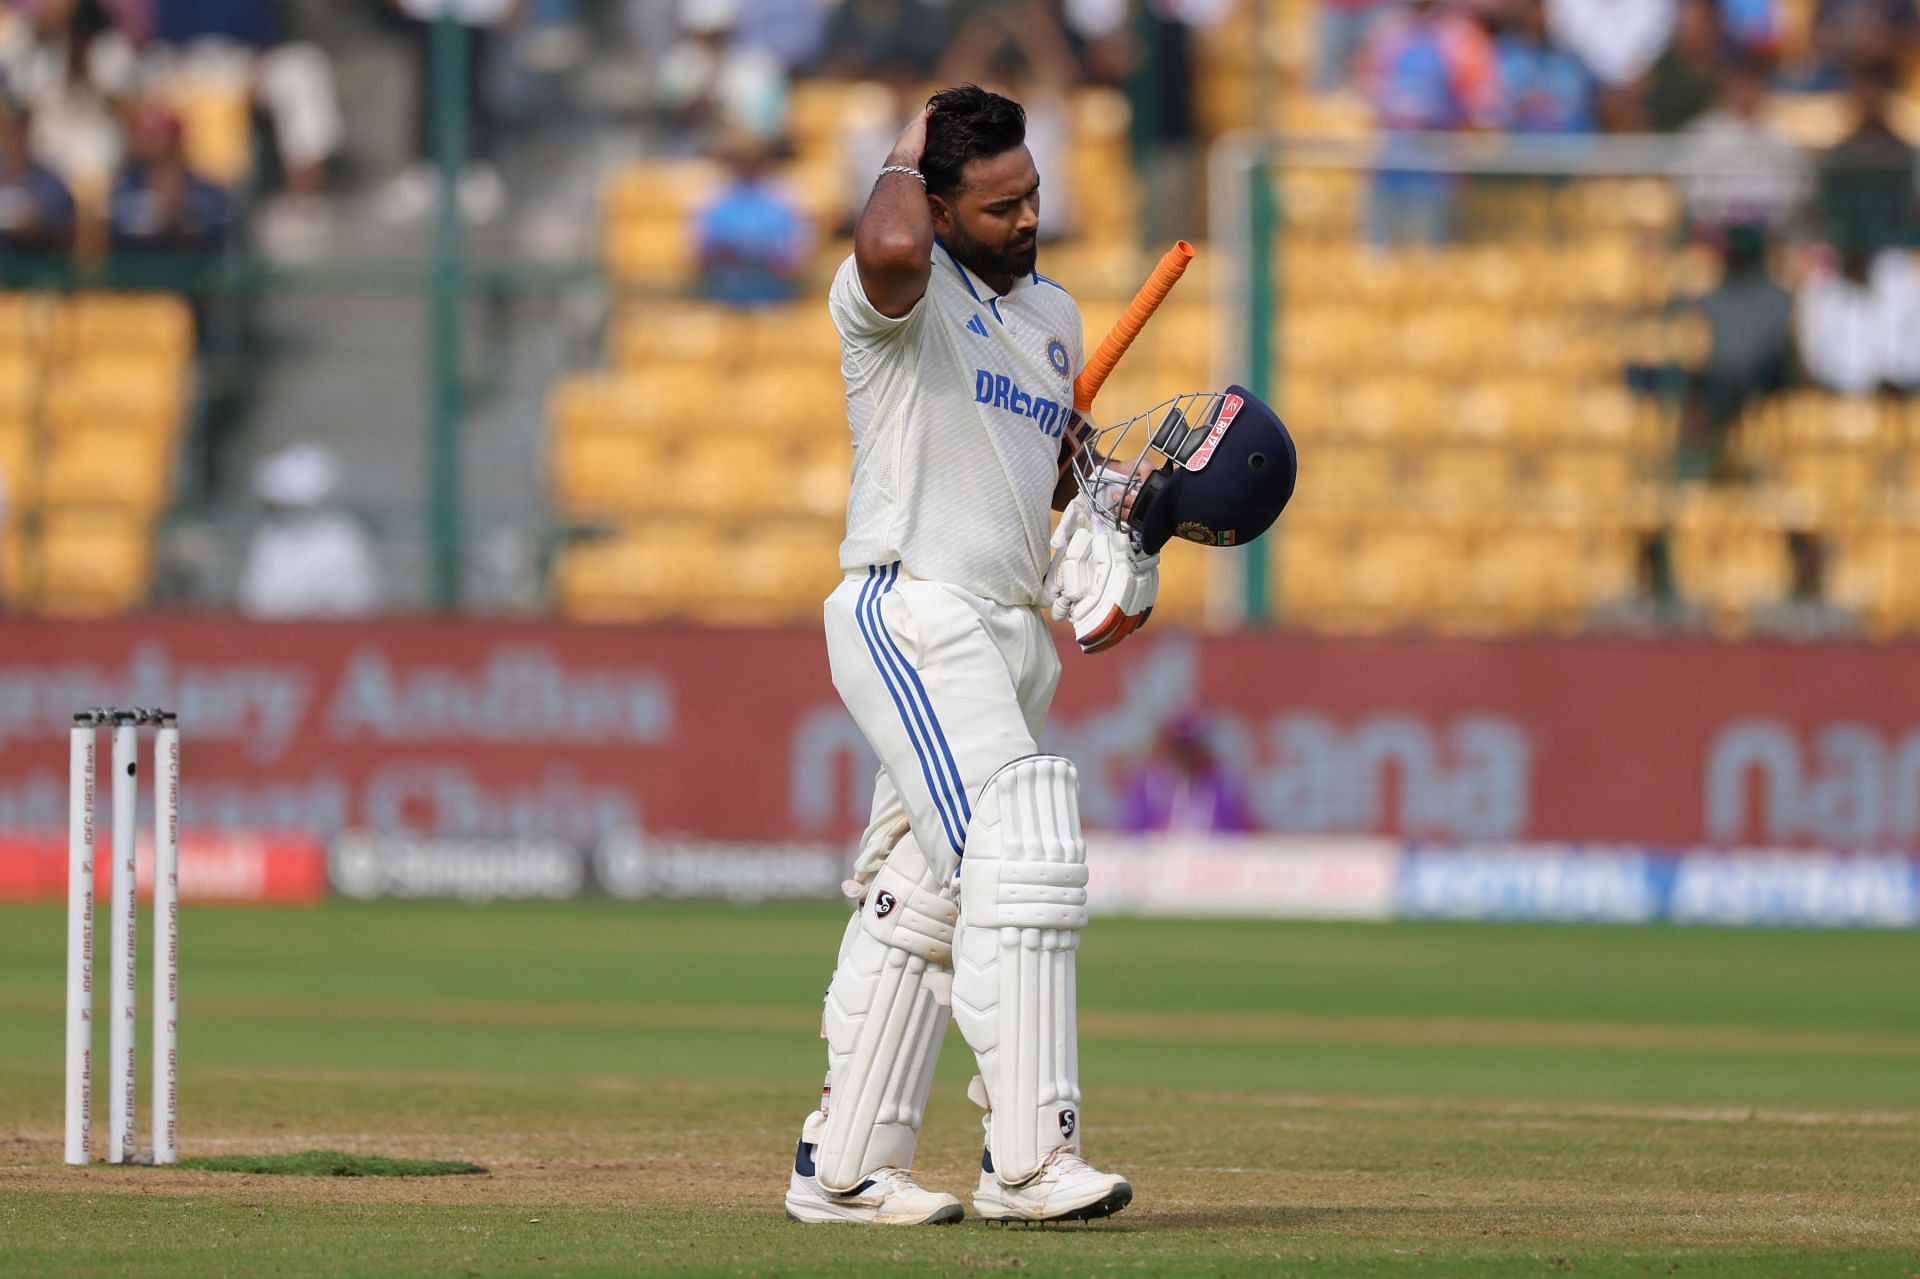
column 977, row 325
column 998, row 390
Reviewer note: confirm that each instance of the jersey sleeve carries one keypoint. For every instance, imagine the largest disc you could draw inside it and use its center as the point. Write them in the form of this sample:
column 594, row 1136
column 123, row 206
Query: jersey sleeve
column 856, row 318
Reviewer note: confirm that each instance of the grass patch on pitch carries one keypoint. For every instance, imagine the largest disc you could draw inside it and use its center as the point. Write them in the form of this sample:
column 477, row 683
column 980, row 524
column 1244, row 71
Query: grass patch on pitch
column 330, row 1163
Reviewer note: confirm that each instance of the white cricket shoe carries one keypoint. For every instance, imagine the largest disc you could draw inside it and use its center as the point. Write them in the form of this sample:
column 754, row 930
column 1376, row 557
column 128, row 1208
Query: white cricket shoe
column 888, row 1197
column 1067, row 1188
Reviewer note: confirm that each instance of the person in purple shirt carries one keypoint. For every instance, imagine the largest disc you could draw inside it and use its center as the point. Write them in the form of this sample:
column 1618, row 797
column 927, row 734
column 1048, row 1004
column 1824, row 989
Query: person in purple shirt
column 1183, row 788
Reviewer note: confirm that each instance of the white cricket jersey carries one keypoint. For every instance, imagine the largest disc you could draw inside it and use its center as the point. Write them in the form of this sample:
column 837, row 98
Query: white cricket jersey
column 957, row 410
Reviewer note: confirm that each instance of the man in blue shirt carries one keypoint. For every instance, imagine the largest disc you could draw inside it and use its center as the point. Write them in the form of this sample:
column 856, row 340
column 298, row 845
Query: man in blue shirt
column 753, row 241
column 159, row 205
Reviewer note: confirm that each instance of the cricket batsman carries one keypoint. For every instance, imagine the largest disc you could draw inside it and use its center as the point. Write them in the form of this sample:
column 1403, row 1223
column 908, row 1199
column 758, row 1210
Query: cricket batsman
column 960, row 360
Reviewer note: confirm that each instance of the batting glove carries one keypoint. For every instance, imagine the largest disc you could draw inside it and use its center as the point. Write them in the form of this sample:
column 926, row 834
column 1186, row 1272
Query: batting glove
column 1097, row 580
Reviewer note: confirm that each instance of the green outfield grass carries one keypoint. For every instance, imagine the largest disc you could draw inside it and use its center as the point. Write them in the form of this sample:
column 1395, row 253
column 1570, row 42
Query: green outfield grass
column 1288, row 1098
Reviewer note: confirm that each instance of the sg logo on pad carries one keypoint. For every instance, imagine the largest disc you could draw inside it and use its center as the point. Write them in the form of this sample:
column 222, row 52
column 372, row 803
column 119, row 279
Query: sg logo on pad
column 883, row 904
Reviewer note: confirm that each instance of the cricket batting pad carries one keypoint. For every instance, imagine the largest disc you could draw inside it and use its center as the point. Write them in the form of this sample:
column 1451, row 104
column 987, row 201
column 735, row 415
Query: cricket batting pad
column 1023, row 902
column 886, row 1012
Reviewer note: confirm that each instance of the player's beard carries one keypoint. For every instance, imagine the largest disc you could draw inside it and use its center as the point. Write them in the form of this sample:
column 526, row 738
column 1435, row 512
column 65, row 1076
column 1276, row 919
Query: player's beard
column 984, row 259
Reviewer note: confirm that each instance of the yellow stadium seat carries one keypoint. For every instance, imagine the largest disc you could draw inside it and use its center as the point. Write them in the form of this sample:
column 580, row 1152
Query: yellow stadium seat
column 1836, row 479
column 601, row 472
column 656, row 251
column 671, row 331
column 816, row 109
column 1466, row 476
column 800, row 335
column 725, row 471
column 645, row 572
column 20, row 381
column 155, row 325
column 1347, row 476
column 771, row 575
column 19, row 466
column 1730, row 567
column 93, row 564
column 123, row 389
column 1584, row 479
column 109, row 466
column 26, row 320
column 823, row 476
column 665, row 403
column 660, row 188
column 793, row 399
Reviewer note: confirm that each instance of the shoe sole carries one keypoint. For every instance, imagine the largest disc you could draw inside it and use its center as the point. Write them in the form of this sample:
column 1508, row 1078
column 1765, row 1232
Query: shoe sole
column 1105, row 1206
column 941, row 1217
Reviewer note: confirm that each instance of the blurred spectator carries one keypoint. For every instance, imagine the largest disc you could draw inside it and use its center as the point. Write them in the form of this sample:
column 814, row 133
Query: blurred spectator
column 1022, row 52
column 553, row 39
column 1859, row 324
column 1430, row 67
column 159, row 205
column 70, row 61
column 1546, row 89
column 713, row 82
column 1741, row 172
column 1343, row 28
column 408, row 197
column 1166, row 126
column 1653, row 606
column 1426, row 67
column 1618, row 40
column 243, row 46
column 1867, row 181
column 865, row 37
column 1686, row 79
column 307, row 558
column 1847, row 33
column 1749, row 319
column 793, row 31
column 1183, row 788
column 754, row 240
column 1806, row 613
column 1754, row 26
column 36, row 209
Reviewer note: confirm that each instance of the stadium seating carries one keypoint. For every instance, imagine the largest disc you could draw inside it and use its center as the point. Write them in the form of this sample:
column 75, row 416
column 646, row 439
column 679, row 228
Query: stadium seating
column 93, row 393
column 1473, row 458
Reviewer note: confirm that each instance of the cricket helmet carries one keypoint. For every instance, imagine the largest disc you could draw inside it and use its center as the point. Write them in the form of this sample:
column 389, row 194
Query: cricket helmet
column 1213, row 467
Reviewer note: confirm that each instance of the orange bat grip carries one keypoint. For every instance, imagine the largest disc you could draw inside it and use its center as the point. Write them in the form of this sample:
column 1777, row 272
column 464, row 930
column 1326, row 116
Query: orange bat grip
column 1128, row 326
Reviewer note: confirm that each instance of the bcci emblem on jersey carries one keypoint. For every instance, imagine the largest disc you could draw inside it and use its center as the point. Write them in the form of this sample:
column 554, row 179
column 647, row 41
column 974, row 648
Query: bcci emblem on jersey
column 1057, row 356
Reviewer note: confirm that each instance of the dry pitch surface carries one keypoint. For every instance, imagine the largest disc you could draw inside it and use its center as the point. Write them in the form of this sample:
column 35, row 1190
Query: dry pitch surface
column 1288, row 1099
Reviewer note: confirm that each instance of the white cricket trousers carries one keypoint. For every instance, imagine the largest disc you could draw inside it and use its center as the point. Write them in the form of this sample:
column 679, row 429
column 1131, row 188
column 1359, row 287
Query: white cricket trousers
column 947, row 687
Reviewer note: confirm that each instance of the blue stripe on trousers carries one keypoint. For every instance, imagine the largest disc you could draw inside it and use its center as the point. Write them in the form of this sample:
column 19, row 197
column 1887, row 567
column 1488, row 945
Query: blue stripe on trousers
column 910, row 718
column 946, row 752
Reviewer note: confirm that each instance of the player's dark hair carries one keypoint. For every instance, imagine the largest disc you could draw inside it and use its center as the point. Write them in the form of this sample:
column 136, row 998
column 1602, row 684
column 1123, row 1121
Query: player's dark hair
column 967, row 123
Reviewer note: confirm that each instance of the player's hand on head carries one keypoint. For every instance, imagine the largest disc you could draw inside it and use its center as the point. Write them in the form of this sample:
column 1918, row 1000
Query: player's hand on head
column 911, row 146
column 1097, row 580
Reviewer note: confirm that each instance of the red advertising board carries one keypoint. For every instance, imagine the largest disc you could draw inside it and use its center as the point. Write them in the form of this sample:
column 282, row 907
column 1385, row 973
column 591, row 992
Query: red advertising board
column 215, row 866
column 477, row 729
